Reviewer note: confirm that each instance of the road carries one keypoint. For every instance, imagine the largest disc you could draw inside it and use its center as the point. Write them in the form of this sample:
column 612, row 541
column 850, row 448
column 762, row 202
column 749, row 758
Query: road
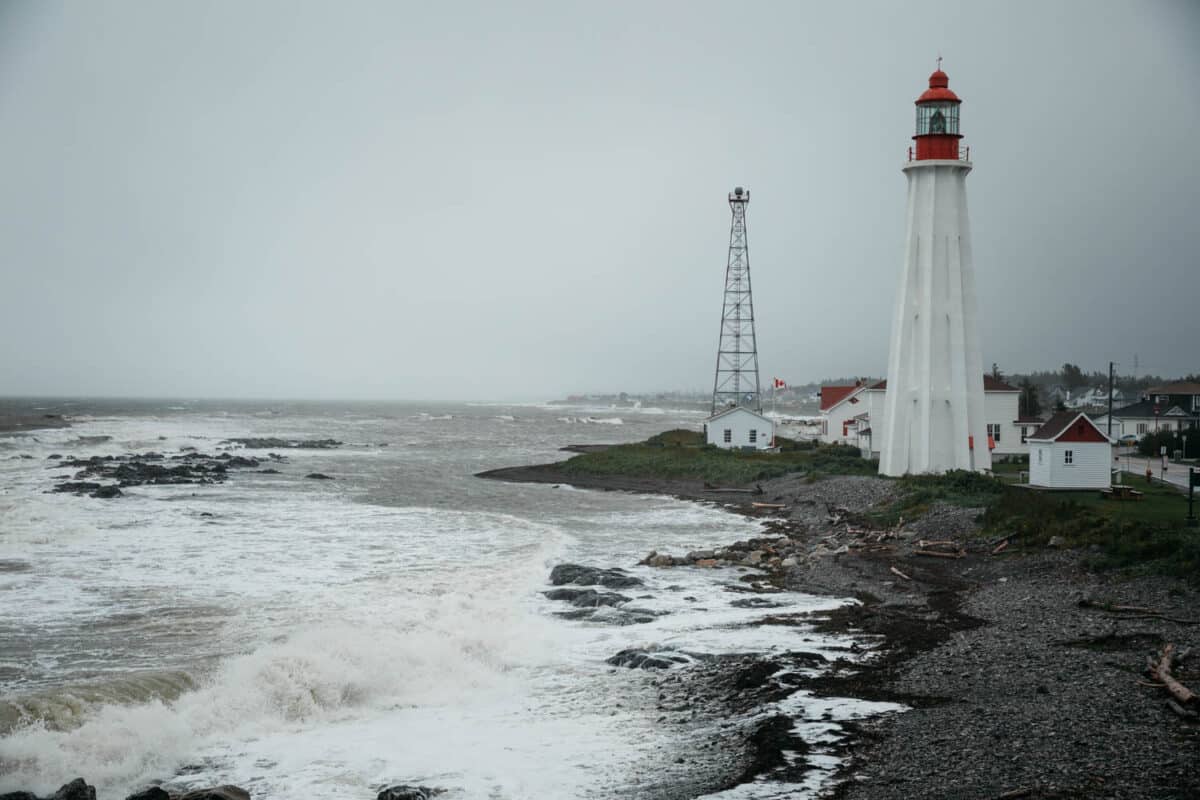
column 1177, row 474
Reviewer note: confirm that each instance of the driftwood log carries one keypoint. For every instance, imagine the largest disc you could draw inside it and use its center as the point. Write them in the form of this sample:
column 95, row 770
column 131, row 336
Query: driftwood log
column 940, row 554
column 1161, row 672
column 1135, row 612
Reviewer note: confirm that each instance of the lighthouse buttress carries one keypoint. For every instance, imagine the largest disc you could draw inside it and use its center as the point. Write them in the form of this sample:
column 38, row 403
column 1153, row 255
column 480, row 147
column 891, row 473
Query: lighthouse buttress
column 933, row 415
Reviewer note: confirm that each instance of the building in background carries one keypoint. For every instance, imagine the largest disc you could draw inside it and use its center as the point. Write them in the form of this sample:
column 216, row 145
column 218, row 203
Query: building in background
column 1170, row 407
column 739, row 428
column 1070, row 452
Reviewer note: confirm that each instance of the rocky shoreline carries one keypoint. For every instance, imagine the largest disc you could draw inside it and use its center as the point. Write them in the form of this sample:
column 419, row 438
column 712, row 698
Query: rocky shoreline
column 1019, row 681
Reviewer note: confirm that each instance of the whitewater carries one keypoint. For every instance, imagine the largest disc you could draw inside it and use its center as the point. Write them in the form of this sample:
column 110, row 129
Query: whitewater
column 328, row 638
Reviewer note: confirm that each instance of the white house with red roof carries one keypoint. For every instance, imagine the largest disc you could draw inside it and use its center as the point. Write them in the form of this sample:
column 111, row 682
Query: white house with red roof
column 841, row 405
column 1070, row 452
column 853, row 414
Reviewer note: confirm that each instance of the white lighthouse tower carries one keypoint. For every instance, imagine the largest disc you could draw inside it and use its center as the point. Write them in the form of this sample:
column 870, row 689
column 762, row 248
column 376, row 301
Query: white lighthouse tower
column 933, row 409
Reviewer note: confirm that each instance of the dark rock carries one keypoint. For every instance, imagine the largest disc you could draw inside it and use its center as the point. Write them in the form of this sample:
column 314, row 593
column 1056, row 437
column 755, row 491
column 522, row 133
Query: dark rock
column 18, row 796
column 76, row 790
column 319, row 476
column 217, row 793
column 54, row 456
column 106, row 492
column 268, row 471
column 77, row 487
column 587, row 598
column 636, row 658
column 406, row 792
column 592, row 576
column 153, row 793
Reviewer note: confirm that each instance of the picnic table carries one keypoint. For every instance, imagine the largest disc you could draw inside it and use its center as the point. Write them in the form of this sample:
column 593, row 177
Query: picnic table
column 1120, row 491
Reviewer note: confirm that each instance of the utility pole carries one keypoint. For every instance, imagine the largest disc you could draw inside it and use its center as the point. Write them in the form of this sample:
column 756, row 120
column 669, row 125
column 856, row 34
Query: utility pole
column 1193, row 482
column 1110, row 395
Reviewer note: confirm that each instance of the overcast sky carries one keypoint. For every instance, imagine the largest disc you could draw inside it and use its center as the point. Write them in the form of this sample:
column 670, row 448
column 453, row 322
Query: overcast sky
column 521, row 200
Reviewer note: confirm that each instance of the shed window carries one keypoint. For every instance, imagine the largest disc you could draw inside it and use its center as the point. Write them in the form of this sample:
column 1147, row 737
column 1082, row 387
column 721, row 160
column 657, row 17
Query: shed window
column 1068, row 456
column 753, row 436
column 728, row 434
column 1141, row 428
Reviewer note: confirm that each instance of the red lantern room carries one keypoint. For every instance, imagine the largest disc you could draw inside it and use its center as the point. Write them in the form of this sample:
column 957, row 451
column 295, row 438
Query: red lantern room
column 937, row 120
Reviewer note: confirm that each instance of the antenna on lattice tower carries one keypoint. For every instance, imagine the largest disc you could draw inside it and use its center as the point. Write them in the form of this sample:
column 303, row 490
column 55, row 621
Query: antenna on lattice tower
column 736, row 379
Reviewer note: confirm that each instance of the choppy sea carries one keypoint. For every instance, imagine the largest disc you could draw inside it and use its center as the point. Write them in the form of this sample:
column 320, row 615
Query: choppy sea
column 326, row 638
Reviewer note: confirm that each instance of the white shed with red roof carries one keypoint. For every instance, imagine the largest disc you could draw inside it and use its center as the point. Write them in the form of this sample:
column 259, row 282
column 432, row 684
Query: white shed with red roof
column 1070, row 452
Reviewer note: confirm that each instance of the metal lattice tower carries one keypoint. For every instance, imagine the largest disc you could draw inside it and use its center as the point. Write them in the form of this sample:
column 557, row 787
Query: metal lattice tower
column 736, row 380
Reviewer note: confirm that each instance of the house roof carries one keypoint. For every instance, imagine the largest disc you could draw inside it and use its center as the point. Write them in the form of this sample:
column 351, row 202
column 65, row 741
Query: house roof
column 1145, row 409
column 990, row 384
column 1180, row 387
column 832, row 395
column 1057, row 425
column 1028, row 421
column 720, row 414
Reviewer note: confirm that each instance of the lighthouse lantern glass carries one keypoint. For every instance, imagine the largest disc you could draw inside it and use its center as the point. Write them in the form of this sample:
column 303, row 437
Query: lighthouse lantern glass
column 935, row 118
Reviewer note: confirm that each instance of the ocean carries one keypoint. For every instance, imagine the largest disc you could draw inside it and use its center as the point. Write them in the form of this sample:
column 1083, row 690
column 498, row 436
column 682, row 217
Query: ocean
column 327, row 638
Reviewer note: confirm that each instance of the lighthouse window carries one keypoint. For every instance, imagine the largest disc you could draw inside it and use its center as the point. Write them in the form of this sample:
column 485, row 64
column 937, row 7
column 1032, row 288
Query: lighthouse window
column 937, row 119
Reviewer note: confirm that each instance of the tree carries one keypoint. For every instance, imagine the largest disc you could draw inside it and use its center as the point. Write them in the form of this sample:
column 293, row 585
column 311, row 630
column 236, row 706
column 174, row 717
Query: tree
column 1073, row 376
column 1030, row 403
column 1060, row 406
column 996, row 373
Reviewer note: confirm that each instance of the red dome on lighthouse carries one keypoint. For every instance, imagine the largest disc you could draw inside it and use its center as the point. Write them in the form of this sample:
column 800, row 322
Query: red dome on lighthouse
column 939, row 89
column 937, row 131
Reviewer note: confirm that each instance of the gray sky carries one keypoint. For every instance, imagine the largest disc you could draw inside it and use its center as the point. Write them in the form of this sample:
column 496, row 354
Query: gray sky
column 490, row 200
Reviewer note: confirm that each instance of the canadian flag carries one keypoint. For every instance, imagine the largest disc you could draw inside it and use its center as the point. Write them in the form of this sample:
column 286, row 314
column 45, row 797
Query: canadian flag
column 780, row 383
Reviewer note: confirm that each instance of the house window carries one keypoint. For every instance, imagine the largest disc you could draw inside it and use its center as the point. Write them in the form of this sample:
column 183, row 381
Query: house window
column 1041, row 452
column 1141, row 428
column 753, row 436
column 1024, row 432
column 1068, row 456
column 994, row 431
column 1196, row 402
column 728, row 435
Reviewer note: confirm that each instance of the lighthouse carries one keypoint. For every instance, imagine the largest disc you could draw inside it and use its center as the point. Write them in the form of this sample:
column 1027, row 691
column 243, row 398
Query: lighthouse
column 933, row 411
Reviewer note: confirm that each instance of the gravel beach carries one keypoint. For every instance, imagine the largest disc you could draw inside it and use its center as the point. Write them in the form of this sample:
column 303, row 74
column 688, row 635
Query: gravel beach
column 1020, row 683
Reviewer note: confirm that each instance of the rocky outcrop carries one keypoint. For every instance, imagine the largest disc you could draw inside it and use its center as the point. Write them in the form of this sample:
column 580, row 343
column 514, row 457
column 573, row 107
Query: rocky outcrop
column 587, row 598
column 137, row 469
column 406, row 792
column 217, row 793
column 319, row 476
column 580, row 575
column 77, row 789
column 637, row 658
column 152, row 793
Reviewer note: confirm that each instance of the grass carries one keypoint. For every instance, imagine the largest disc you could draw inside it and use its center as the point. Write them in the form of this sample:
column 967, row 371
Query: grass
column 682, row 454
column 1147, row 536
